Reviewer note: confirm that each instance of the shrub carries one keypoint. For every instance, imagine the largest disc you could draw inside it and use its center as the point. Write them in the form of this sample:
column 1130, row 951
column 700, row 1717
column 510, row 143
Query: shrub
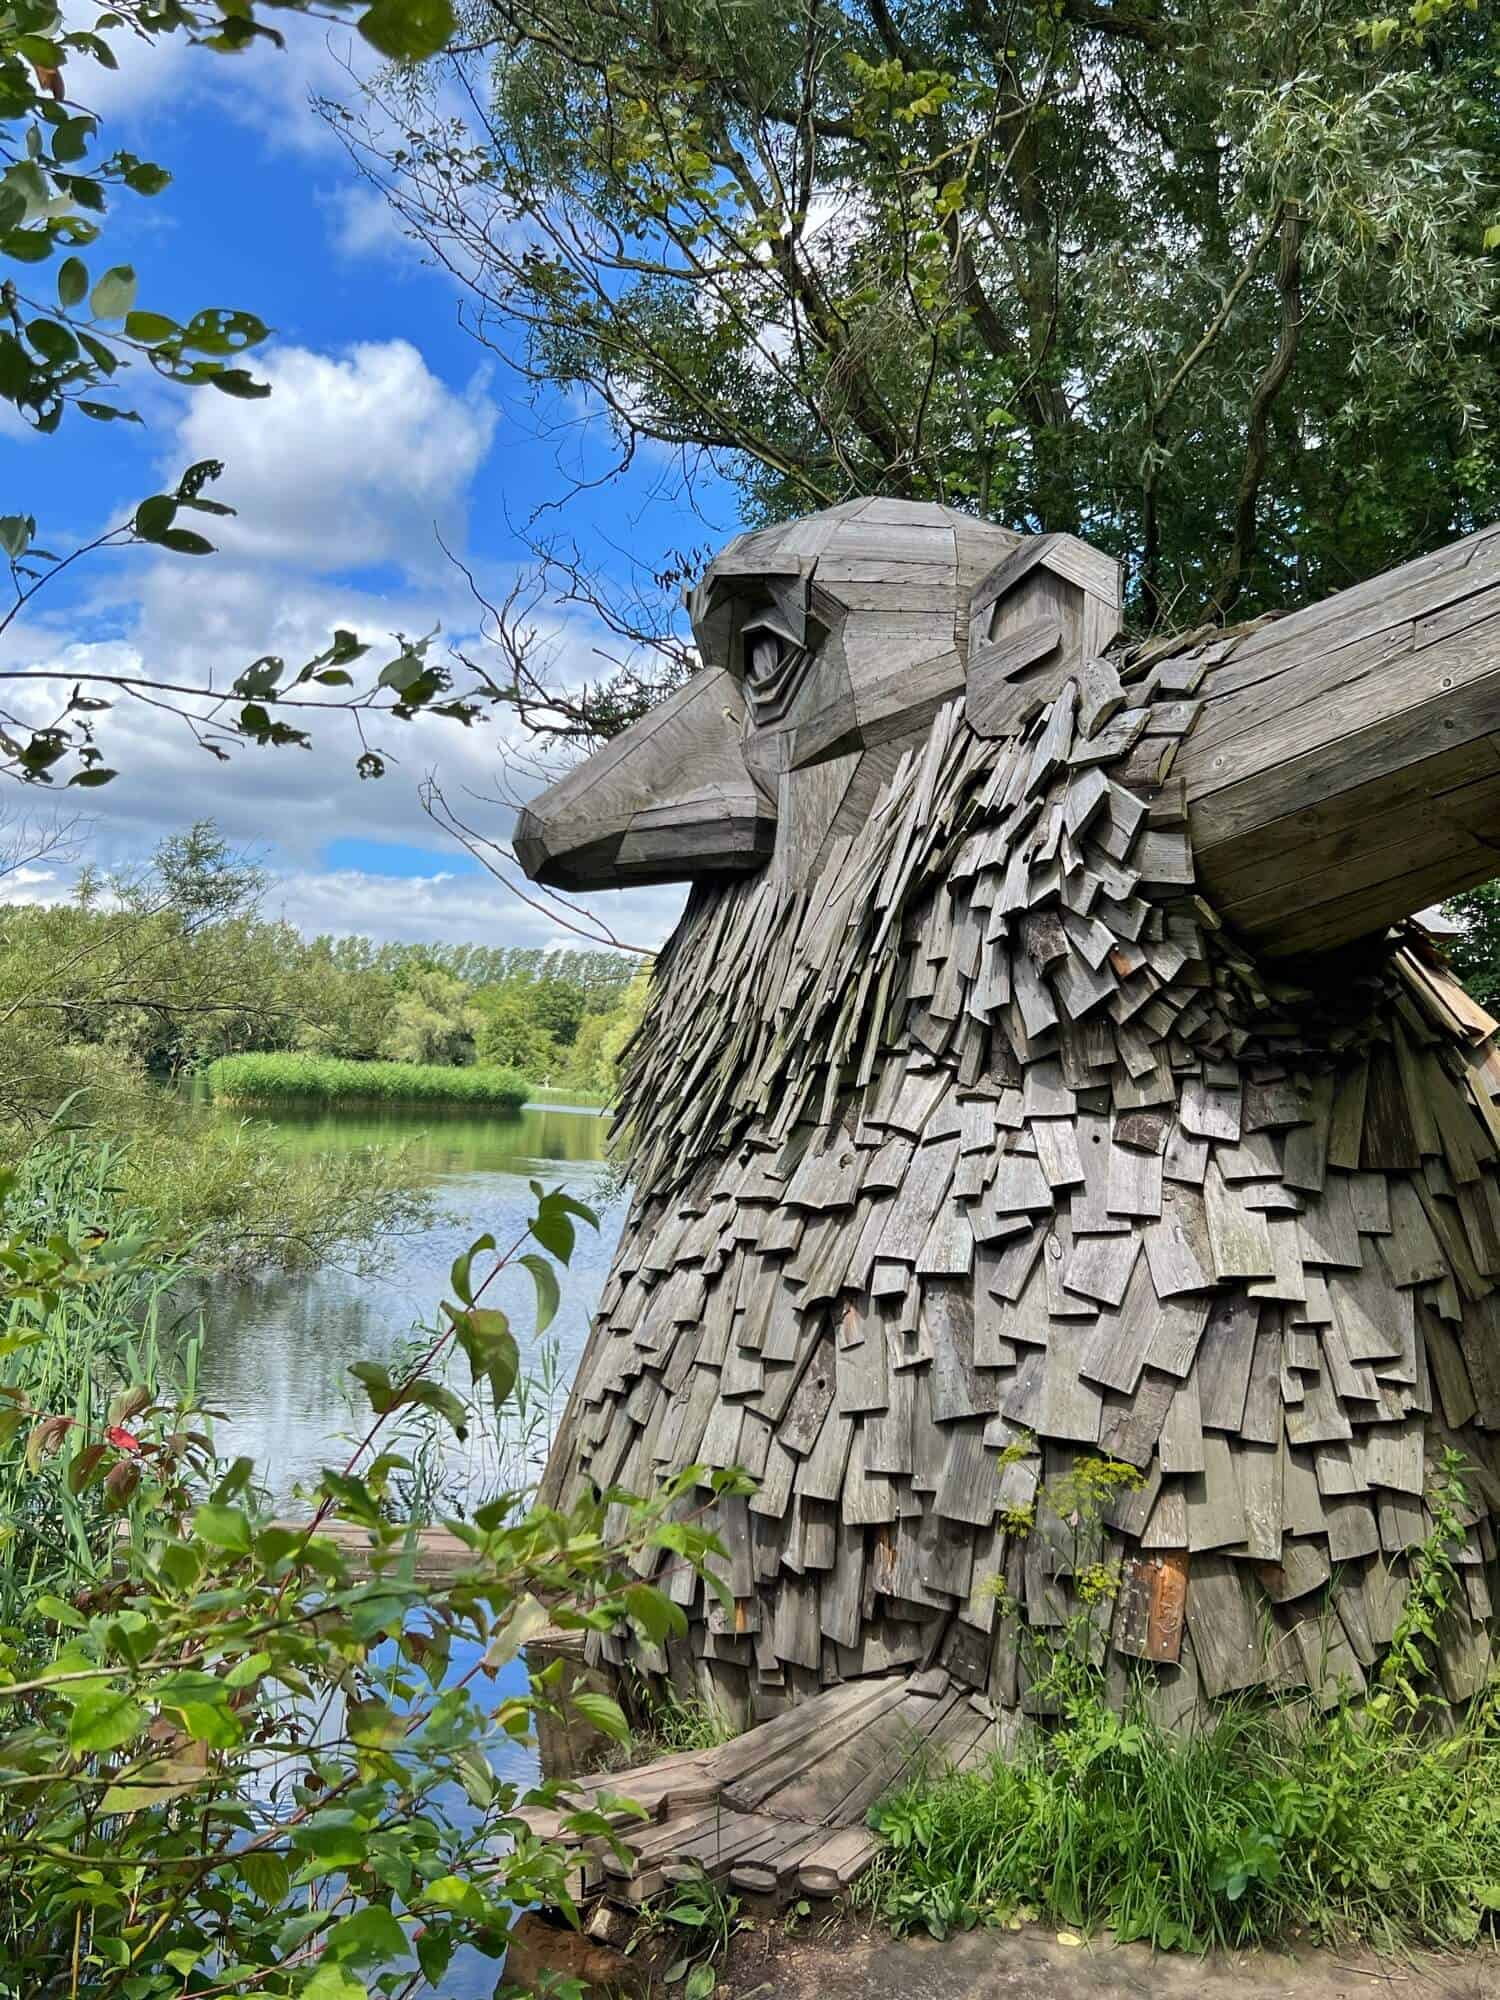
column 308, row 1079
column 247, row 1760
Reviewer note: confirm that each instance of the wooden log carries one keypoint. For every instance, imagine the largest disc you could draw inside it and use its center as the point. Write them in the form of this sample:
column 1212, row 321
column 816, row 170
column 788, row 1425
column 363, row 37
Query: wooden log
column 1345, row 771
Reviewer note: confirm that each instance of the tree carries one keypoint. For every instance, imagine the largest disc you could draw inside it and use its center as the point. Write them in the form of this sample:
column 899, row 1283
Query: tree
column 509, row 1035
column 1210, row 284
column 432, row 1021
column 1475, row 950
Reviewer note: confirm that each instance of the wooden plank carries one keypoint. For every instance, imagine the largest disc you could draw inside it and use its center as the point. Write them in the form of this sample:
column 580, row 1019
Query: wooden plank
column 1151, row 1606
column 1238, row 1239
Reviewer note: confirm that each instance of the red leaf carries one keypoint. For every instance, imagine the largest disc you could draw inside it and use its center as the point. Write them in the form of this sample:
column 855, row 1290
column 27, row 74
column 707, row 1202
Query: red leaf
column 122, row 1439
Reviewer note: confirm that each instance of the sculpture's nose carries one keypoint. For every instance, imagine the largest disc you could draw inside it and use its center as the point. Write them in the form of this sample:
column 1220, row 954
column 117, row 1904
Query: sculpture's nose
column 670, row 799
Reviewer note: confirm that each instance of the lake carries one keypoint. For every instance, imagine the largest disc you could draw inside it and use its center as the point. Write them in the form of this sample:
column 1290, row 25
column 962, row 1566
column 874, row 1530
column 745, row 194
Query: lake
column 278, row 1347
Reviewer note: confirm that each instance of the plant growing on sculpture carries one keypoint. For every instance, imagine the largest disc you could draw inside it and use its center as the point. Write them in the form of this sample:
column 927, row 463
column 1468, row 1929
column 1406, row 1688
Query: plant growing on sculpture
column 241, row 1761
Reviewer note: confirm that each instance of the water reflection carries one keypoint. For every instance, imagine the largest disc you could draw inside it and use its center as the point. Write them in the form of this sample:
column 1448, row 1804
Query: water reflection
column 278, row 1348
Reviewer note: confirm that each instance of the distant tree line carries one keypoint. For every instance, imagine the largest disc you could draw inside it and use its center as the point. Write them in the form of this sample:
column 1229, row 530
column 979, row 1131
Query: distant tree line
column 167, row 967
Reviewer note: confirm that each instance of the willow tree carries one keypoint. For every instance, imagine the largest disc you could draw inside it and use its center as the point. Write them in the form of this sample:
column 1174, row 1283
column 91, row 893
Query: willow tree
column 1205, row 280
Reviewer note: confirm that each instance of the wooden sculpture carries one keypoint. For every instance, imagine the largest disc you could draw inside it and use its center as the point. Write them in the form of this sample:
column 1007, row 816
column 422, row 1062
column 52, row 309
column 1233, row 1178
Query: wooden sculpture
column 1035, row 1065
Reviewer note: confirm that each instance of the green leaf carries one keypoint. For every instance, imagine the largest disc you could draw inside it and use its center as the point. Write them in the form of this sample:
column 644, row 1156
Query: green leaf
column 553, row 1229
column 407, row 30
column 223, row 1528
column 545, row 1279
column 438, row 1397
column 100, row 775
column 16, row 531
column 658, row 1617
column 145, row 178
column 335, row 1835
column 105, row 1719
column 114, row 295
column 527, row 1619
column 334, row 1982
column 239, row 382
column 154, row 516
column 603, row 1713
column 485, row 1337
column 184, row 542
column 370, row 1936
column 152, row 328
column 452, row 1892
column 701, row 1982
column 27, row 246
column 463, row 1263
column 266, row 1875
column 72, row 281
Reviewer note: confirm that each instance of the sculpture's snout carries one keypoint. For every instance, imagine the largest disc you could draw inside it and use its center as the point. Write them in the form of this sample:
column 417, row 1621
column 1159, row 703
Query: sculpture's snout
column 669, row 799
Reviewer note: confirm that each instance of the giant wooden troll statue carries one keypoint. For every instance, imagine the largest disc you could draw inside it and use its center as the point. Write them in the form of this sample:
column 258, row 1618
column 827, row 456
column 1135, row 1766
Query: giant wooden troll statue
column 1035, row 1072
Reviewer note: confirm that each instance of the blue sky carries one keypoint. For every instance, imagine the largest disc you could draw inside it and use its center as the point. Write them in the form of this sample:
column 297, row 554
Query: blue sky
column 387, row 421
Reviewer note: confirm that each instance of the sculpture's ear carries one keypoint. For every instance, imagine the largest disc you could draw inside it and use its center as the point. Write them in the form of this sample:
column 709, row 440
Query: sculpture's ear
column 1050, row 604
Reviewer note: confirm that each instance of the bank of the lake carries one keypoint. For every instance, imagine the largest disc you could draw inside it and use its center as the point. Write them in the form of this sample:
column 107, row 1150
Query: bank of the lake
column 278, row 1347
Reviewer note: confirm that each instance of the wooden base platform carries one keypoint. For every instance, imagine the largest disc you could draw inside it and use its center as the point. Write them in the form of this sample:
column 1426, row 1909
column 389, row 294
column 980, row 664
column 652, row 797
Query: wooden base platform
column 780, row 1811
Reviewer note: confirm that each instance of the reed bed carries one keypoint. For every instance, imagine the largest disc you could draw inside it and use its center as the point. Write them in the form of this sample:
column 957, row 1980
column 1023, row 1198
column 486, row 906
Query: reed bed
column 308, row 1079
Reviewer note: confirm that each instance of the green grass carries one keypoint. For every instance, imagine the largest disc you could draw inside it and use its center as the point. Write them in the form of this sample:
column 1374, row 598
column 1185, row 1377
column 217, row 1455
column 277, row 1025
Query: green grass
column 304, row 1079
column 1255, row 1831
column 1376, row 1820
column 567, row 1094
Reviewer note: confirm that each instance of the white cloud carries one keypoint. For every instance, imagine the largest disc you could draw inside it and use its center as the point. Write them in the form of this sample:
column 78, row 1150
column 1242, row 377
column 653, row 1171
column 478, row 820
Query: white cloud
column 362, row 223
column 353, row 460
column 474, row 908
column 439, row 908
column 263, row 87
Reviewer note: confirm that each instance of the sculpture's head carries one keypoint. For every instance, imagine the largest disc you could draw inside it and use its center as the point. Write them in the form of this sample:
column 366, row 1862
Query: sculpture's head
column 823, row 639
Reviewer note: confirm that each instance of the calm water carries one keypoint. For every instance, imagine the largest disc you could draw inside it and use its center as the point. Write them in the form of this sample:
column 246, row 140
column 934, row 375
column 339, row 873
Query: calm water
column 278, row 1348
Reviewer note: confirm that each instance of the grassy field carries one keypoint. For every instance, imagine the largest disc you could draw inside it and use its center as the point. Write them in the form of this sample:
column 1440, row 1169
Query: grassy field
column 298, row 1079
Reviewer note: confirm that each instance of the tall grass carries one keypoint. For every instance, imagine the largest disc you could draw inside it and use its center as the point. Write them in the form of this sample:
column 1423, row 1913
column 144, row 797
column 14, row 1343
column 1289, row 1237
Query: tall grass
column 1260, row 1829
column 71, row 1356
column 1377, row 1820
column 307, row 1079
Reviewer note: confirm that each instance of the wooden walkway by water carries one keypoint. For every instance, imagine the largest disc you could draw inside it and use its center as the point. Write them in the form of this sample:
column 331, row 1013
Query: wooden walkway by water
column 780, row 1812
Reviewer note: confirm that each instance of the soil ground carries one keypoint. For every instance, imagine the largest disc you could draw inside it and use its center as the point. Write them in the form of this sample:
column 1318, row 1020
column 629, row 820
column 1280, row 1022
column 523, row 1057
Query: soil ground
column 843, row 1959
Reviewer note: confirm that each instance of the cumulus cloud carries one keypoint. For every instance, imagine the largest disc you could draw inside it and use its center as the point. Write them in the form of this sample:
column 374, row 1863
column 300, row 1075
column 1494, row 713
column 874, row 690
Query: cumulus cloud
column 443, row 907
column 355, row 459
column 266, row 88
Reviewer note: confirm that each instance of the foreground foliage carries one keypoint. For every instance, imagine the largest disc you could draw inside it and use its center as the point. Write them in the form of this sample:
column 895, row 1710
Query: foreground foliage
column 1377, row 1821
column 299, row 1079
column 239, row 1761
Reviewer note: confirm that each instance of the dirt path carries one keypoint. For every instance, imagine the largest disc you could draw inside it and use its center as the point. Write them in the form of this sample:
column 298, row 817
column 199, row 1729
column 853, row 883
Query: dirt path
column 848, row 1961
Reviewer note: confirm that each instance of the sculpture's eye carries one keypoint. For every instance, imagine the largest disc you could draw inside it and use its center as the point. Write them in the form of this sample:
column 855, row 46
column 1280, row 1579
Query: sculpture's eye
column 773, row 664
column 763, row 651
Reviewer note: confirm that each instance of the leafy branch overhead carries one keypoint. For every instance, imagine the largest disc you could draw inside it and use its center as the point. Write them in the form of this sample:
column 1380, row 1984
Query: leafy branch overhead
column 71, row 327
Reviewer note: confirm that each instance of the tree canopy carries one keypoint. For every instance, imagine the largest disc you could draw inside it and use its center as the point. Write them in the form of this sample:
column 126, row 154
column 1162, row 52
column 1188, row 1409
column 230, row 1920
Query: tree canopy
column 1211, row 284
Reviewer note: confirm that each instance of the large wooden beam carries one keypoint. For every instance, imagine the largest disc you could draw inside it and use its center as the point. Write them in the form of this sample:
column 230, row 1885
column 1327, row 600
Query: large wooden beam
column 1345, row 771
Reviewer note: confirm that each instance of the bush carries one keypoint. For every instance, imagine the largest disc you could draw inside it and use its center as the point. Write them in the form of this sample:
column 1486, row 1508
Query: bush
column 260, row 1758
column 305, row 1079
column 244, row 1198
